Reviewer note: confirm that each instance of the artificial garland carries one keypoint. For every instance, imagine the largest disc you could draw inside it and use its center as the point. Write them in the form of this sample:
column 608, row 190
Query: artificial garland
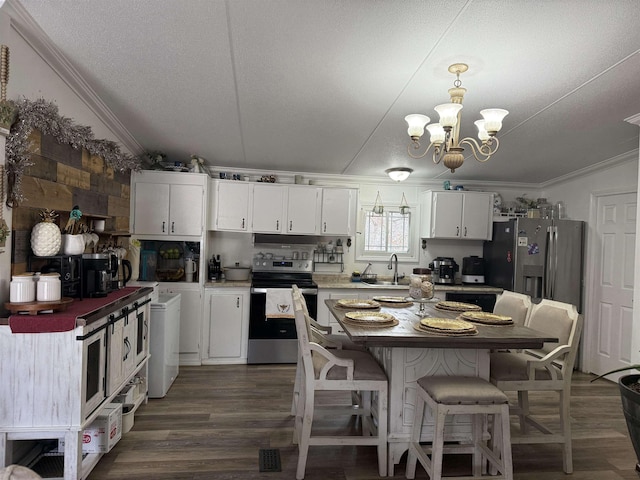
column 43, row 116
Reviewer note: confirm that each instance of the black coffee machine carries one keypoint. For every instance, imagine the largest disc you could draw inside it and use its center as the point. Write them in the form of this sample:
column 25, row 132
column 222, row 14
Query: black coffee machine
column 96, row 277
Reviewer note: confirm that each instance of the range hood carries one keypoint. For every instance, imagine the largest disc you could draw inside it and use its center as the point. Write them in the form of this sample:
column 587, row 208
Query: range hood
column 271, row 239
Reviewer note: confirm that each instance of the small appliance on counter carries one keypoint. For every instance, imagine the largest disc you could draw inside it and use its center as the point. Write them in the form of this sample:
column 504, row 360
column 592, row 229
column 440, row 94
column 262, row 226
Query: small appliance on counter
column 444, row 270
column 473, row 269
column 96, row 274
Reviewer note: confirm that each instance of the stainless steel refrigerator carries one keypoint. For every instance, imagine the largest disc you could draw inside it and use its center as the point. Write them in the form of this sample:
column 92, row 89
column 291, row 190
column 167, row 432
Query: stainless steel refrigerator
column 539, row 257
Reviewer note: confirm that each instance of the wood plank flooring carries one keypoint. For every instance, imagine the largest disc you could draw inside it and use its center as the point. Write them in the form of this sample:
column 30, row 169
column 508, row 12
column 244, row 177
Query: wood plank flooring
column 215, row 419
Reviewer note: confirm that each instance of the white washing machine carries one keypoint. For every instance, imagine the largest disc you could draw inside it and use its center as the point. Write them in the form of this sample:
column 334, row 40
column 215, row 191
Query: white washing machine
column 164, row 345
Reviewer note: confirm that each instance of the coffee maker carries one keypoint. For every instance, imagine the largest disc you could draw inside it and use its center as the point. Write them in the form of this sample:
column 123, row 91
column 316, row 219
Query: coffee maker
column 444, row 270
column 96, row 276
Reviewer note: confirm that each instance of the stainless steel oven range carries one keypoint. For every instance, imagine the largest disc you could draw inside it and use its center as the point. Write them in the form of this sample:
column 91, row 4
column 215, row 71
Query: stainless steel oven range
column 272, row 329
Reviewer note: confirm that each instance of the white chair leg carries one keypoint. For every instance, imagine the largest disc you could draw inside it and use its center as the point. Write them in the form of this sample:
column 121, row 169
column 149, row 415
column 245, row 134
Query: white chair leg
column 505, row 433
column 305, row 434
column 565, row 421
column 414, row 443
column 476, row 434
column 382, row 432
column 438, row 444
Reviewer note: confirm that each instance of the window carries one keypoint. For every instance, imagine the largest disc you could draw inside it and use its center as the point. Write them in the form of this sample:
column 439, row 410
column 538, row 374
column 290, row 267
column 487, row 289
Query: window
column 386, row 233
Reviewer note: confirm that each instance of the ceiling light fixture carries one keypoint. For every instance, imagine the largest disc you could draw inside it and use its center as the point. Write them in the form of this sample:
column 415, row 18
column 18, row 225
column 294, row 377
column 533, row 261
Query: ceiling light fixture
column 445, row 135
column 399, row 174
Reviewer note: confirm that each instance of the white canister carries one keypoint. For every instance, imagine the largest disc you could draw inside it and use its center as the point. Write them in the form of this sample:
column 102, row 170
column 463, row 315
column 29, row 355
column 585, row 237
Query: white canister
column 49, row 287
column 22, row 288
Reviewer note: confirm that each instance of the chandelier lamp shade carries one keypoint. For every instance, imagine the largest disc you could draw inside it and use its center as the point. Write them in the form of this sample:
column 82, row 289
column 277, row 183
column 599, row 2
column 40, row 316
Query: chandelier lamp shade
column 445, row 135
column 399, row 174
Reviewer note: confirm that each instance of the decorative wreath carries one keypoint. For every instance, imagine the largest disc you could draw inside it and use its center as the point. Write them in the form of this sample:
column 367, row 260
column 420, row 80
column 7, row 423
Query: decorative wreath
column 43, row 115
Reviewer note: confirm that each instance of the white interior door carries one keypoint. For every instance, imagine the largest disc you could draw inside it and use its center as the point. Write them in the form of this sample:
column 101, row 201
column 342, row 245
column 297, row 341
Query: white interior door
column 612, row 306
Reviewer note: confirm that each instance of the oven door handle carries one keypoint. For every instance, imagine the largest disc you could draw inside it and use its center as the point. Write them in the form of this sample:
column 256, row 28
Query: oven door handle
column 304, row 291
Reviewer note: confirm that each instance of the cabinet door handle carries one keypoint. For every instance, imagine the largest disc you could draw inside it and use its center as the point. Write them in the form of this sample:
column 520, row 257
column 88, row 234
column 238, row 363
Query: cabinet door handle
column 243, row 223
column 237, row 302
column 163, row 227
column 465, row 231
column 277, row 224
column 325, row 226
column 290, row 225
column 457, row 231
column 173, row 227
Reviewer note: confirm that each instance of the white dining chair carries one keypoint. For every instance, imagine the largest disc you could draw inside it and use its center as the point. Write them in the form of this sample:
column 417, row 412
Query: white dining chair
column 322, row 335
column 514, row 305
column 547, row 369
column 338, row 370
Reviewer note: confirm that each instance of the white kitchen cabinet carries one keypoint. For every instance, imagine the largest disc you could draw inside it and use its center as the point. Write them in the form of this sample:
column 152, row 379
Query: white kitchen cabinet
column 190, row 319
column 457, row 215
column 268, row 208
column 337, row 211
column 303, row 210
column 226, row 325
column 167, row 203
column 231, row 206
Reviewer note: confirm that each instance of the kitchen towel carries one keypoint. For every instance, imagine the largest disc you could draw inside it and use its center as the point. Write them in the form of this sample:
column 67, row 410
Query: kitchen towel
column 279, row 304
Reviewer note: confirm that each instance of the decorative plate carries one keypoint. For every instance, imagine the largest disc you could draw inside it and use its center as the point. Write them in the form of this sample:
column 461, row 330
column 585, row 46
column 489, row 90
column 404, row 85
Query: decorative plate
column 447, row 324
column 458, row 306
column 447, row 333
column 370, row 319
column 367, row 317
column 487, row 318
column 354, row 303
column 390, row 299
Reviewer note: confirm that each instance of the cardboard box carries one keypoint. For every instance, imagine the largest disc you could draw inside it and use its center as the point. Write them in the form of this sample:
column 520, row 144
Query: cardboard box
column 105, row 431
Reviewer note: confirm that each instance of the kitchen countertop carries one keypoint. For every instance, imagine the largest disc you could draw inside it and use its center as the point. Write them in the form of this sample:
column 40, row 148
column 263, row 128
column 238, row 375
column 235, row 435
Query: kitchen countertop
column 344, row 282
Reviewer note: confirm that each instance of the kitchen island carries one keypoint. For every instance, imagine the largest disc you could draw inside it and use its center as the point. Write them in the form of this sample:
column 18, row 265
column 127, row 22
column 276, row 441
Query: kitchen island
column 60, row 370
column 407, row 355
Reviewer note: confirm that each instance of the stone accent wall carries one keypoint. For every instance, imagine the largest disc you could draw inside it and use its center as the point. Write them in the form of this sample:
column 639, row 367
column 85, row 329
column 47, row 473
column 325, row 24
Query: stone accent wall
column 60, row 178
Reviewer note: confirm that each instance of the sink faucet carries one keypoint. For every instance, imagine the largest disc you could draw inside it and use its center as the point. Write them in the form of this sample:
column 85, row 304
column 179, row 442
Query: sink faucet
column 394, row 266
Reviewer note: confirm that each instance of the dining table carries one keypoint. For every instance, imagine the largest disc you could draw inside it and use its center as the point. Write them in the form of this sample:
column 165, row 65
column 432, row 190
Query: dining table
column 407, row 353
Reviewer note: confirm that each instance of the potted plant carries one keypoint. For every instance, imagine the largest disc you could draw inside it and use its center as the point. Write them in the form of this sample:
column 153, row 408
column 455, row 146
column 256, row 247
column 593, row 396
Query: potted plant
column 629, row 386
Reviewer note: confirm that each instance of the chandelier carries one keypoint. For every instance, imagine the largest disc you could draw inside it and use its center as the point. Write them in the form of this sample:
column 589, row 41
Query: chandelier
column 445, row 135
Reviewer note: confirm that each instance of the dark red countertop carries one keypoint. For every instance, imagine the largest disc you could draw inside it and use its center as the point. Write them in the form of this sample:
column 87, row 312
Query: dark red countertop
column 79, row 313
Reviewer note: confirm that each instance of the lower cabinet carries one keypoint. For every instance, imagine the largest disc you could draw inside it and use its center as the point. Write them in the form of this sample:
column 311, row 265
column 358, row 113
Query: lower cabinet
column 226, row 319
column 190, row 319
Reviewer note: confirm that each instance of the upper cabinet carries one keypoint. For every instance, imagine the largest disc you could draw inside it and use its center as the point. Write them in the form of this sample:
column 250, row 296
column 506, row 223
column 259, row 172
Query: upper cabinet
column 168, row 204
column 231, row 202
column 337, row 211
column 268, row 208
column 281, row 209
column 303, row 210
column 457, row 215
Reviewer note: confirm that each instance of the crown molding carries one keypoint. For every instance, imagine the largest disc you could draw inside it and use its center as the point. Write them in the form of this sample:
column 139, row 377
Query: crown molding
column 630, row 156
column 25, row 26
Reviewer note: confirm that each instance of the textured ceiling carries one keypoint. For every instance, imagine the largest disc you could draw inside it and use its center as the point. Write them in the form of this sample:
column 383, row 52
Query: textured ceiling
column 323, row 86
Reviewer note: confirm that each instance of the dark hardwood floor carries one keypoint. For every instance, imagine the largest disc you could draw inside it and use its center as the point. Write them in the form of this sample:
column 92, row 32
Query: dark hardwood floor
column 215, row 419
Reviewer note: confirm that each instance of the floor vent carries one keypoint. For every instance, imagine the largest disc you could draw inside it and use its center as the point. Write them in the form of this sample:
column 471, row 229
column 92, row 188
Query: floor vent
column 270, row 460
